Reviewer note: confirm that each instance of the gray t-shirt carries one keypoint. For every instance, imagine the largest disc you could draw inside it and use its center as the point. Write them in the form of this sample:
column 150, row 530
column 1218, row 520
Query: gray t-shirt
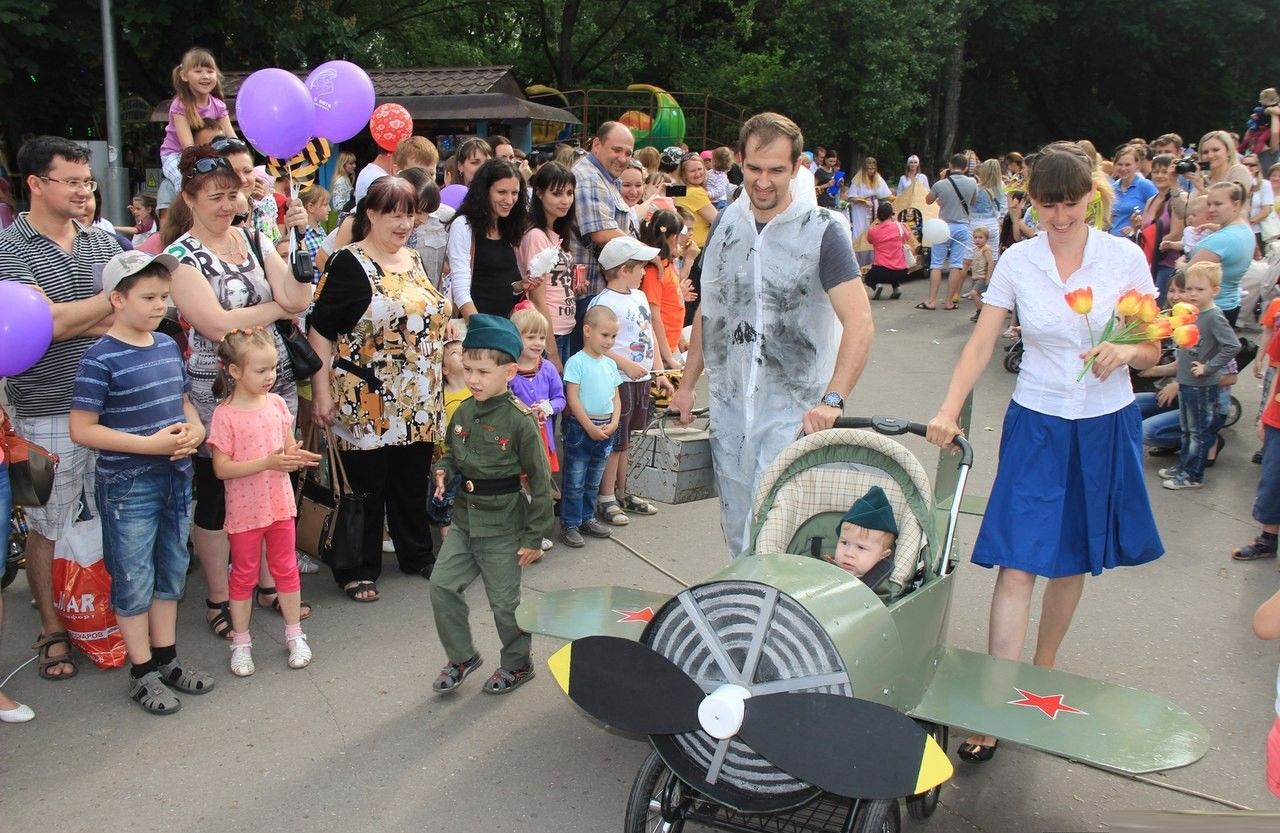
column 835, row 258
column 949, row 205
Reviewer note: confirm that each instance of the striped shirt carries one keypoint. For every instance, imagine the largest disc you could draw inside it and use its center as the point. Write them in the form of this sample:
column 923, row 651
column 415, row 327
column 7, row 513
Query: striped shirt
column 137, row 390
column 27, row 256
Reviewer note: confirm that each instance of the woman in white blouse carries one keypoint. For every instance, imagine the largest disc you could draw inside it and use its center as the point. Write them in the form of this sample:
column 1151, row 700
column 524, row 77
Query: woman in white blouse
column 913, row 176
column 1069, row 496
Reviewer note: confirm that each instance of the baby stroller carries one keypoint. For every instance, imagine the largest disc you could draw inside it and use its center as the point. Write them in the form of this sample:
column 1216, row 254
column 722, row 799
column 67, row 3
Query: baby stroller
column 790, row 616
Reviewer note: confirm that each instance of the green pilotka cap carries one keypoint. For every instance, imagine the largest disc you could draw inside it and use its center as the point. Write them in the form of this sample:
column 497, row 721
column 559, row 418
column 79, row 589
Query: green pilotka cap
column 493, row 332
column 871, row 511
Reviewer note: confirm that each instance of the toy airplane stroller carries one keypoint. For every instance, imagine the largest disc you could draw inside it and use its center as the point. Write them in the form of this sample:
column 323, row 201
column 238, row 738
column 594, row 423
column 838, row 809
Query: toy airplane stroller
column 783, row 694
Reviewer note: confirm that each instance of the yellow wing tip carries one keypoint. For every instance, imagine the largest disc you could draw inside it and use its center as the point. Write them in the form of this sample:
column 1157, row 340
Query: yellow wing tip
column 935, row 766
column 559, row 665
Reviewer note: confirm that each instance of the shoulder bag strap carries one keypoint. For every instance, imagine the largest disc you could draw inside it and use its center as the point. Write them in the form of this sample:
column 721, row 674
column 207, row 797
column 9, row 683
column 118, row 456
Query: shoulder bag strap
column 255, row 244
column 956, row 188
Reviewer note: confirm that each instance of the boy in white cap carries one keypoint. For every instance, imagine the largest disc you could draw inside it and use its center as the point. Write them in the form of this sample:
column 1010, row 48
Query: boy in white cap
column 131, row 402
column 623, row 260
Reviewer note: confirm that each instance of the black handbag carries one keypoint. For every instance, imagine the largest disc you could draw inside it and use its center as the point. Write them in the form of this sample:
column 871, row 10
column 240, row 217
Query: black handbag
column 331, row 516
column 303, row 358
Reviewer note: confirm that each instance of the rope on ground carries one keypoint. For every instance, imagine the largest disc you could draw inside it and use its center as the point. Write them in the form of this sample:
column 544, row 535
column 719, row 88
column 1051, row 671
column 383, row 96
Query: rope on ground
column 1174, row 788
column 646, row 560
column 6, row 680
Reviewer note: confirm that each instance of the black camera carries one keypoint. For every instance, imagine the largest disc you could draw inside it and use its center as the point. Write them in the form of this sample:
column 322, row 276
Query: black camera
column 1187, row 165
column 304, row 268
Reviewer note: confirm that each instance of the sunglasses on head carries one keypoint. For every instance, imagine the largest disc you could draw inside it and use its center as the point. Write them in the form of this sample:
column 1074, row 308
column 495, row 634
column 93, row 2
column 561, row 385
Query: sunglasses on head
column 222, row 144
column 207, row 166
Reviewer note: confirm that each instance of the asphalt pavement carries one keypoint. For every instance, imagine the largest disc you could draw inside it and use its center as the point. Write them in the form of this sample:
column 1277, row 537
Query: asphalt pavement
column 358, row 742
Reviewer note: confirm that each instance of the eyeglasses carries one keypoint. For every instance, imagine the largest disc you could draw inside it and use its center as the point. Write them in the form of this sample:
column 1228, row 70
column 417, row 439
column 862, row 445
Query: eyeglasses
column 74, row 184
column 222, row 144
column 207, row 166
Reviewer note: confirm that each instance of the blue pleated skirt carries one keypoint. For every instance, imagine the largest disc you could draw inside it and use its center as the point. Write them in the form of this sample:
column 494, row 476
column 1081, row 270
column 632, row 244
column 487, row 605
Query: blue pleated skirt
column 1069, row 496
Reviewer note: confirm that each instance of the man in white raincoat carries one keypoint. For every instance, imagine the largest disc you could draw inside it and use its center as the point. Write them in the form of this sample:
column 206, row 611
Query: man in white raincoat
column 777, row 275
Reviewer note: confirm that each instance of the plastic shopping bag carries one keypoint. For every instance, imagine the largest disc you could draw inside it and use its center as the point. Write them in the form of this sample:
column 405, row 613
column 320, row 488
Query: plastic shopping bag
column 82, row 594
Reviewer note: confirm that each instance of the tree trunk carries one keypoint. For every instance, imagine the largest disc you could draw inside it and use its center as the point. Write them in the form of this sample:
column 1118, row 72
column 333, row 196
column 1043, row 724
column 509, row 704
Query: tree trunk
column 928, row 149
column 565, row 70
column 951, row 105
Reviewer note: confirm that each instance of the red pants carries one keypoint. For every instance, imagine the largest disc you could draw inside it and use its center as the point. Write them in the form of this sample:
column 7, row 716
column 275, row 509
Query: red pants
column 1273, row 759
column 282, row 562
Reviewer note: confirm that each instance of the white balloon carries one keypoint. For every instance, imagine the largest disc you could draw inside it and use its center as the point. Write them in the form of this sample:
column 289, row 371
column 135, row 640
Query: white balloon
column 935, row 232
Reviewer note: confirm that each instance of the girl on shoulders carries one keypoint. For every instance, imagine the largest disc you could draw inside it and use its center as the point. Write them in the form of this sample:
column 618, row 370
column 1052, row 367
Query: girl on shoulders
column 198, row 99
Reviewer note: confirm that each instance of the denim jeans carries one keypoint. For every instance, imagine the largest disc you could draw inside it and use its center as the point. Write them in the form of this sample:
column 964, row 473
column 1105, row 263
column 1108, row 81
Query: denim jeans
column 1196, row 409
column 144, row 518
column 564, row 346
column 584, row 461
column 6, row 509
column 1160, row 426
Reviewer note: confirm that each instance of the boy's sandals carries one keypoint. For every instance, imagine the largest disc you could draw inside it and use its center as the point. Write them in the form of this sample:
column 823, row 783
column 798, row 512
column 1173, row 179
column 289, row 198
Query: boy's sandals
column 638, row 505
column 611, row 513
column 505, row 682
column 304, row 608
column 452, row 675
column 368, row 588
column 1256, row 551
column 185, row 678
column 150, row 692
column 221, row 623
column 43, row 643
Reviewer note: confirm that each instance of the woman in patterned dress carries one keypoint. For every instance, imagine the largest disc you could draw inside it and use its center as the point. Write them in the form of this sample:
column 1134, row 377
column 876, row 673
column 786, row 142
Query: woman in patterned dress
column 379, row 325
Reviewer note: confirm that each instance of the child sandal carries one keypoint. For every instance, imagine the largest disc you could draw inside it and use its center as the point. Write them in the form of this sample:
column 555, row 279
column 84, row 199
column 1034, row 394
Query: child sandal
column 611, row 513
column 505, row 682
column 185, row 678
column 1256, row 551
column 242, row 659
column 299, row 651
column 638, row 505
column 452, row 675
column 150, row 692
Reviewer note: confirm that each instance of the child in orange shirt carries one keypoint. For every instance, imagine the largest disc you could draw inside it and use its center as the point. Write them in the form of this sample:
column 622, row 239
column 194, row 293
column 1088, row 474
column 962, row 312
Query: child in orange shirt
column 1263, row 367
column 661, row 284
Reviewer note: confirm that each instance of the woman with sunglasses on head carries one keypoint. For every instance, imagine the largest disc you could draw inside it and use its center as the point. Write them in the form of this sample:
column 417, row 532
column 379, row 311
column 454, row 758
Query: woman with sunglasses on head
column 692, row 171
column 213, row 254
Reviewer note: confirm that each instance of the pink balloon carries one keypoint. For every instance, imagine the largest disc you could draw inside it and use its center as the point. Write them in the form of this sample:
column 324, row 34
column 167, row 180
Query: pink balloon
column 343, row 97
column 26, row 327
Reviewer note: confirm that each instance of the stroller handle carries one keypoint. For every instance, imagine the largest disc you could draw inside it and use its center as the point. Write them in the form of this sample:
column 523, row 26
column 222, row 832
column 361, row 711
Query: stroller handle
column 897, row 426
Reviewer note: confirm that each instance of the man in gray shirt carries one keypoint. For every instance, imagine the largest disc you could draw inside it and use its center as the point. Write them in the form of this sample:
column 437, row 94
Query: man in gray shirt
column 954, row 194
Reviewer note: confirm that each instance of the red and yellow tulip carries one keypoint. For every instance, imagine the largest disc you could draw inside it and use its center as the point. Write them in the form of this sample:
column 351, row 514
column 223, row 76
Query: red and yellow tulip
column 1159, row 329
column 1148, row 309
column 1188, row 335
column 1129, row 304
column 1080, row 300
column 1185, row 310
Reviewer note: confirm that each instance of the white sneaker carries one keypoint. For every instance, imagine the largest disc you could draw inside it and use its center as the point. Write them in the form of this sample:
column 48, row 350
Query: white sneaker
column 307, row 565
column 547, row 544
column 242, row 660
column 387, row 546
column 299, row 651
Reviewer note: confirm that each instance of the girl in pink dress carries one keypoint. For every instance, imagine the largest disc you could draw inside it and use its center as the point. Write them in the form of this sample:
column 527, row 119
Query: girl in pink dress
column 253, row 446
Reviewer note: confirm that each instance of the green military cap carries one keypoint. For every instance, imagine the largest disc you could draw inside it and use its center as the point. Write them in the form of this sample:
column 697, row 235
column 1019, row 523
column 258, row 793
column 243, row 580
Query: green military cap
column 871, row 511
column 493, row 332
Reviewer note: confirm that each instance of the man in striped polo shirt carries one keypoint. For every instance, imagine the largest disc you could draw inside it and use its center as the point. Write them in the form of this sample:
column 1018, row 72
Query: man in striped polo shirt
column 49, row 249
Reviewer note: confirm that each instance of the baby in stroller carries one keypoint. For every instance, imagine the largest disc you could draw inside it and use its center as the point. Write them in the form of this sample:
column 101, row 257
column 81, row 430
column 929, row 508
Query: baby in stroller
column 865, row 540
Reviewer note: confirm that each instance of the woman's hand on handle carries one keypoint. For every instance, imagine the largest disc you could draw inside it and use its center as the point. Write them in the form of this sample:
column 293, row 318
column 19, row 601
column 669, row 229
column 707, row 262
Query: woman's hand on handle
column 323, row 408
column 942, row 430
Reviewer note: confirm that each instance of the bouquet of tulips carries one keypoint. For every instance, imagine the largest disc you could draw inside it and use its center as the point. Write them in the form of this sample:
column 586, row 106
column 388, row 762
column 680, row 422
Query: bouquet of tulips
column 1137, row 318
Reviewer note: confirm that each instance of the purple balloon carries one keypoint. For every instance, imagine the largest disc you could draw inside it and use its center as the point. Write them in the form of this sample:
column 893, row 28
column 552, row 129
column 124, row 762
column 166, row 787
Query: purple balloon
column 453, row 195
column 26, row 327
column 275, row 112
column 342, row 94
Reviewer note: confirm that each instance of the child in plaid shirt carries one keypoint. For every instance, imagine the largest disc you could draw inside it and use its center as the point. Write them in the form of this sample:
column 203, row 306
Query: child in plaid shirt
column 315, row 200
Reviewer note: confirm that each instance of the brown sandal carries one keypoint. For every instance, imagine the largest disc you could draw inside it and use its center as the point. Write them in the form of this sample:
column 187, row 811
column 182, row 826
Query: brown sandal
column 43, row 643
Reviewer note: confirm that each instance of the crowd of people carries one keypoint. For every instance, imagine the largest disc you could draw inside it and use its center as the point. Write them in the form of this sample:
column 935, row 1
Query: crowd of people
column 483, row 369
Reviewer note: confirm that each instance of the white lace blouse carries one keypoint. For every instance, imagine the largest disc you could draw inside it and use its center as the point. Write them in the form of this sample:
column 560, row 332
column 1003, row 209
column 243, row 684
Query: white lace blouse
column 1053, row 335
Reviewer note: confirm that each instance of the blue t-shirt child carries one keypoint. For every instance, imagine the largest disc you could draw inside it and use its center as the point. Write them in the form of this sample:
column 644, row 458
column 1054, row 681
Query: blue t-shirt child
column 137, row 390
column 596, row 379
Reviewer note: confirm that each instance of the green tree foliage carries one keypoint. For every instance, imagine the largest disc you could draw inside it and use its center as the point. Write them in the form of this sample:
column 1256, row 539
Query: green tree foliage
column 861, row 75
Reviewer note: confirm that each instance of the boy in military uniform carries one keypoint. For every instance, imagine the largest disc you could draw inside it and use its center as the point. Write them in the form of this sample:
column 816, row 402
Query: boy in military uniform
column 493, row 440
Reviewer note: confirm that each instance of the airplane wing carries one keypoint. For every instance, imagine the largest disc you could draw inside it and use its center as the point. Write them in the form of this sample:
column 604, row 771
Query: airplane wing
column 590, row 611
column 1109, row 726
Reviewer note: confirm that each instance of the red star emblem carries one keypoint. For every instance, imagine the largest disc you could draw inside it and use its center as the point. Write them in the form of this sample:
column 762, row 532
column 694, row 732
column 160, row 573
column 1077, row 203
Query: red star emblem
column 635, row 615
column 1050, row 704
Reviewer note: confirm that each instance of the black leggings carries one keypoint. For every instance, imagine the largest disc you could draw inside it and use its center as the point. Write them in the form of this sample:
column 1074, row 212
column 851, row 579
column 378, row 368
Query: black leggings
column 882, row 274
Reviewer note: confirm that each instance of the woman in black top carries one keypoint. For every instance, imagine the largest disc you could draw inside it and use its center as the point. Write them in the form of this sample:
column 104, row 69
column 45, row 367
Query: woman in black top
column 484, row 275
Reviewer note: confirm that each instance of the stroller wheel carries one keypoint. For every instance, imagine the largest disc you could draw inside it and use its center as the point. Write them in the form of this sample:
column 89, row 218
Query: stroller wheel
column 658, row 799
column 1013, row 358
column 880, row 816
column 922, row 806
column 1234, row 410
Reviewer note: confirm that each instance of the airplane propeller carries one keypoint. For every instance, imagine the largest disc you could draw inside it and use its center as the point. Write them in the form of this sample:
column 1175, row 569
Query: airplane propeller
column 843, row 745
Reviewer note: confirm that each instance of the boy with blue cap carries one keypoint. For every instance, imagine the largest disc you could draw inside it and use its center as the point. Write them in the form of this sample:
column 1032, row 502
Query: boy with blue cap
column 494, row 441
column 866, row 536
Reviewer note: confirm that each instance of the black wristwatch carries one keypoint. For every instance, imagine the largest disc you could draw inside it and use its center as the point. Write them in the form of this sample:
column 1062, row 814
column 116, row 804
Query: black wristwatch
column 833, row 400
